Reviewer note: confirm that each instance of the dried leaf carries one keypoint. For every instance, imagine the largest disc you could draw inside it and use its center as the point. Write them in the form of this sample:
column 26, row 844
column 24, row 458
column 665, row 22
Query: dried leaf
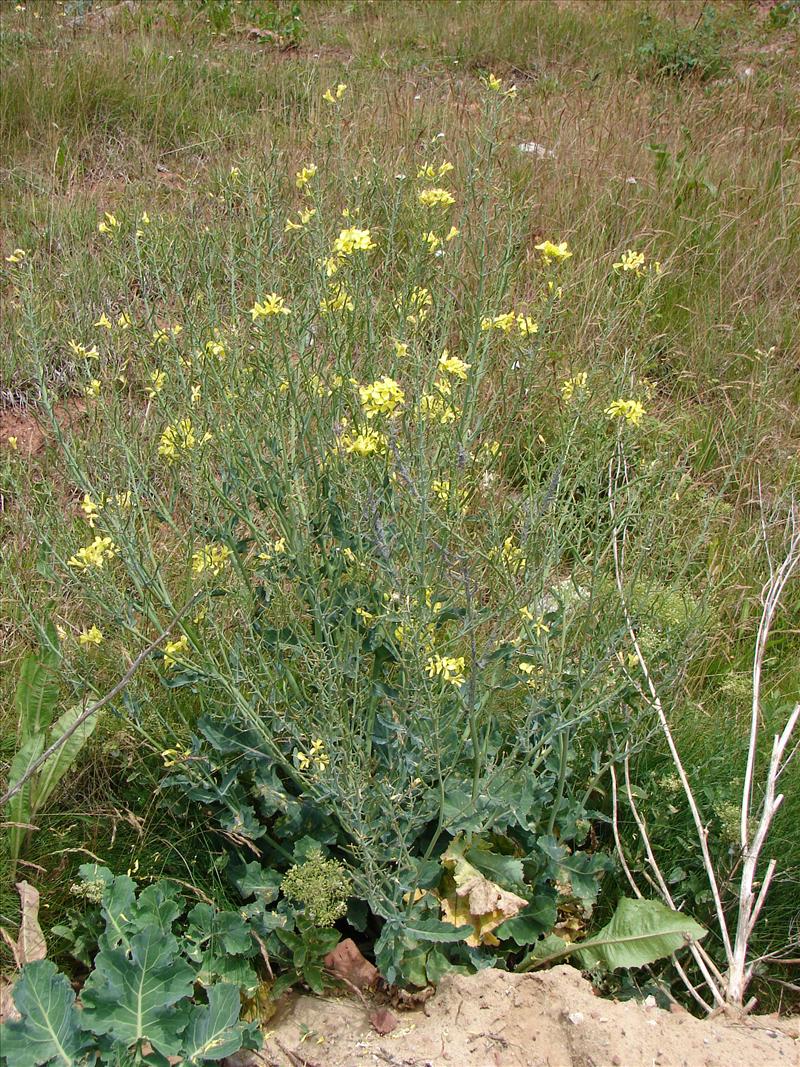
column 30, row 941
column 347, row 963
column 382, row 1021
column 475, row 900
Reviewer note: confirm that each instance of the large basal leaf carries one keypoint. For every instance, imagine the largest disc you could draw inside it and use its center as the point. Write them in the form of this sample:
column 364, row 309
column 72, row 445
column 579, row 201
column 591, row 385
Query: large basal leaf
column 640, row 932
column 49, row 1031
column 131, row 996
column 214, row 1031
column 118, row 903
column 37, row 693
column 53, row 769
column 20, row 810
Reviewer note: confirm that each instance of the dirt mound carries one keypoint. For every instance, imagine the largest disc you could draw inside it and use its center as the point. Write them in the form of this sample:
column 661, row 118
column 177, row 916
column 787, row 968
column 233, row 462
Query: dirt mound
column 496, row 1019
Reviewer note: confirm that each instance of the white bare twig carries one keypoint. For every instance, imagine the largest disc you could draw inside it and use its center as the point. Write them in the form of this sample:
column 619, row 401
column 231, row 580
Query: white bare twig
column 756, row 819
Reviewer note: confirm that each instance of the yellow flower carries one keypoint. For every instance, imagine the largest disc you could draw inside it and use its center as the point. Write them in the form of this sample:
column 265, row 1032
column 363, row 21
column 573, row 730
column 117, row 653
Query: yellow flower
column 353, row 240
column 90, row 509
column 157, row 379
column 630, row 261
column 179, row 438
column 124, row 321
column 174, row 650
column 400, row 348
column 109, row 224
column 527, row 326
column 430, row 172
column 213, row 558
column 196, row 395
column 630, row 410
column 86, row 353
column 419, row 302
column 216, row 349
column 16, row 256
column 449, row 668
column 92, row 636
column 173, row 756
column 331, row 96
column 271, row 305
column 571, row 386
column 339, row 300
column 305, row 215
column 103, row 323
column 93, row 388
column 431, row 240
column 382, row 397
column 435, row 406
column 277, row 548
column 551, row 252
column 143, row 221
column 304, row 176
column 369, row 443
column 95, row 554
column 434, row 197
column 504, row 322
column 12, row 443
column 451, row 233
column 234, row 174
column 511, row 554
column 453, row 365
column 495, row 85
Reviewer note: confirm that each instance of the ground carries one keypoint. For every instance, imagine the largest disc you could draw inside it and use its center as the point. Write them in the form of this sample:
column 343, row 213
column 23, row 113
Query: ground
column 549, row 1019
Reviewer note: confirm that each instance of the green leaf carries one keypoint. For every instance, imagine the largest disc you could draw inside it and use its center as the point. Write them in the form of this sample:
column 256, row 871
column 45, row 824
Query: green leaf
column 131, row 996
column 214, row 1031
column 118, row 903
column 53, row 769
column 50, row 1028
column 20, row 809
column 540, row 915
column 37, row 692
column 640, row 932
column 252, row 878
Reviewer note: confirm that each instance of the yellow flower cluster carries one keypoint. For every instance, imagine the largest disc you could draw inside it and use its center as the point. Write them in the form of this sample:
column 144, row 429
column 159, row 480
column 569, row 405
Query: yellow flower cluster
column 631, row 411
column 631, row 262
column 353, row 240
column 381, row 397
column 305, row 216
column 553, row 252
column 213, row 558
column 419, row 302
column 332, row 96
column 16, row 256
column 180, row 438
column 91, row 508
column 449, row 668
column 174, row 651
column 92, row 636
column 511, row 555
column 453, row 365
column 108, row 224
column 338, row 300
column 94, row 555
column 368, row 443
column 304, row 176
column 272, row 304
column 571, row 386
column 506, row 321
column 437, row 406
column 435, row 197
column 495, row 85
column 86, row 353
column 316, row 757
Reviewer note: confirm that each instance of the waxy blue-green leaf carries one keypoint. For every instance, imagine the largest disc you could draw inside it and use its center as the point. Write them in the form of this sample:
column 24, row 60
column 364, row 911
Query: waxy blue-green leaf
column 214, row 1031
column 131, row 995
column 49, row 1031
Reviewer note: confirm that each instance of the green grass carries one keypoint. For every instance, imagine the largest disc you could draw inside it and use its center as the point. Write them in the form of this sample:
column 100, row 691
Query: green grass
column 693, row 163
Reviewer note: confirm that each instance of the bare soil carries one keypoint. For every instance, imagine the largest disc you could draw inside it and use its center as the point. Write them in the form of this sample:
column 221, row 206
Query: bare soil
column 496, row 1019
